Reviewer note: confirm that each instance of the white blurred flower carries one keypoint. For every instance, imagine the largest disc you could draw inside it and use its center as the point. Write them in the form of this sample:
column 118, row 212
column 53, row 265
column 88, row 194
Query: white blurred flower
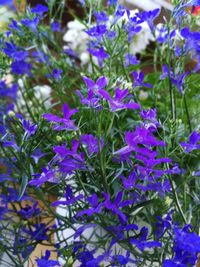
column 41, row 92
column 140, row 41
column 76, row 36
column 76, row 39
column 84, row 57
column 5, row 15
column 8, row 78
column 149, row 4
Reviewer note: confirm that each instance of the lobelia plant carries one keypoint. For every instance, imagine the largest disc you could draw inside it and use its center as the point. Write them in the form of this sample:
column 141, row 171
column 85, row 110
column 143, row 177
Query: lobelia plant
column 100, row 141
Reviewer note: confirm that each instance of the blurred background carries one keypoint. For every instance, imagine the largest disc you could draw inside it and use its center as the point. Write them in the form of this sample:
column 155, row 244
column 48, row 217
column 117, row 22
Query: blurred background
column 8, row 8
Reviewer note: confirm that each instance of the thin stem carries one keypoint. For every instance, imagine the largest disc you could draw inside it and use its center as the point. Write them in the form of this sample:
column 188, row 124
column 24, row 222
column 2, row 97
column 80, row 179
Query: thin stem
column 102, row 165
column 172, row 98
column 177, row 200
column 187, row 113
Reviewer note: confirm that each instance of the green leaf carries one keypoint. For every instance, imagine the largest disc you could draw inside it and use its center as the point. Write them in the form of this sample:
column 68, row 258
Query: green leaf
column 23, row 186
column 140, row 206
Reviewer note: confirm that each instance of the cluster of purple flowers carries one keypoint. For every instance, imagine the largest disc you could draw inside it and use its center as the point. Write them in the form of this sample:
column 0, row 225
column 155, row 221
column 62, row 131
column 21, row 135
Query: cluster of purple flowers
column 113, row 160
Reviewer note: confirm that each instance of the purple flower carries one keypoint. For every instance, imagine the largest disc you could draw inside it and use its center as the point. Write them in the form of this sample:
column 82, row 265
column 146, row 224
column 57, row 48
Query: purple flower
column 160, row 187
column 32, row 24
column 191, row 44
column 45, row 261
column 148, row 157
column 162, row 34
column 57, row 74
column 132, row 27
column 163, row 224
column 131, row 60
column 55, row 26
column 179, row 80
column 14, row 52
column 92, row 143
column 39, row 9
column 116, row 103
column 111, row 35
column 29, row 211
column 149, row 17
column 116, row 204
column 100, row 16
column 97, row 31
column 112, row 2
column 40, row 57
column 118, row 230
column 22, row 247
column 47, row 175
column 86, row 258
column 70, row 198
column 129, row 183
column 185, row 249
column 142, row 242
column 187, row 240
column 138, row 79
column 121, row 260
column 166, row 73
column 6, row 91
column 21, row 67
column 100, row 83
column 70, row 160
column 91, row 100
column 141, row 136
column 100, row 54
column 149, row 116
column 95, row 207
column 14, row 25
column 38, row 232
column 174, row 263
column 37, row 155
column 119, row 13
column 62, row 123
column 30, row 129
column 71, row 53
column 193, row 142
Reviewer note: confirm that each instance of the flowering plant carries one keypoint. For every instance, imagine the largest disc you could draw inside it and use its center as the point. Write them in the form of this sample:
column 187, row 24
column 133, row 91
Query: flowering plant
column 105, row 120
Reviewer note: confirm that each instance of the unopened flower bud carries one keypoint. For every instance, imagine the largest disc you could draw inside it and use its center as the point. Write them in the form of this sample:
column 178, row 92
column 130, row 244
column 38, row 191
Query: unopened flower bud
column 58, row 138
column 128, row 85
column 70, row 261
column 168, row 201
column 11, row 113
column 143, row 95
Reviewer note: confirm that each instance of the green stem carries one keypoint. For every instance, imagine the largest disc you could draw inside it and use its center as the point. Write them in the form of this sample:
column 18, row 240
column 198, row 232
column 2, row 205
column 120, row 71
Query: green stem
column 187, row 113
column 102, row 165
column 177, row 200
column 172, row 98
